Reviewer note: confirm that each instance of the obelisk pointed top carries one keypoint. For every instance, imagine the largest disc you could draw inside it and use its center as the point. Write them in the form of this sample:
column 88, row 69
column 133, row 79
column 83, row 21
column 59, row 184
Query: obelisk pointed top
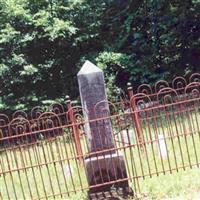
column 89, row 68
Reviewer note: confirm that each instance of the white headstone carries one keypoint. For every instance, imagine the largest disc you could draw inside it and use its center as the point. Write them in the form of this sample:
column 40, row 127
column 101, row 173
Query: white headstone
column 162, row 146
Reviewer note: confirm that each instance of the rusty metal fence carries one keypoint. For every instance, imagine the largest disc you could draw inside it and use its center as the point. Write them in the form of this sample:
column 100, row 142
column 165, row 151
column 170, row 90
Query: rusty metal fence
column 42, row 154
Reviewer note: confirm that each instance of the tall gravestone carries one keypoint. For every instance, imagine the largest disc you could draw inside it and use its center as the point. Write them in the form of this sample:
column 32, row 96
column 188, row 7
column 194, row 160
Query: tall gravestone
column 105, row 163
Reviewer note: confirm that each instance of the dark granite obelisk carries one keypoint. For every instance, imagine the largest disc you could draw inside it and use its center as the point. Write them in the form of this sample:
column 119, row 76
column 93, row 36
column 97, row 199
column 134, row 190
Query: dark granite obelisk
column 92, row 91
column 103, row 166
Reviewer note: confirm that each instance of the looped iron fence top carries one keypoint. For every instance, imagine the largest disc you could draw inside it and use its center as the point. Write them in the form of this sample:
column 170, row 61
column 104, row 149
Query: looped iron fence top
column 157, row 130
column 179, row 85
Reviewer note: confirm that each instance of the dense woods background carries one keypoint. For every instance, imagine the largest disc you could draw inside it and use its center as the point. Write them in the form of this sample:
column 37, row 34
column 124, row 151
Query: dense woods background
column 43, row 44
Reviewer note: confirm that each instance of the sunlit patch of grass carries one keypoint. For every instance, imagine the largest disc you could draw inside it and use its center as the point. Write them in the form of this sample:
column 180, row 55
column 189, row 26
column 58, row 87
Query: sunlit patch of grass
column 182, row 185
column 52, row 172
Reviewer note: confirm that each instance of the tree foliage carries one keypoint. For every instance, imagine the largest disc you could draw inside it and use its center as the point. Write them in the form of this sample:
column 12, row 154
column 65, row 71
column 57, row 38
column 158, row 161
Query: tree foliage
column 43, row 44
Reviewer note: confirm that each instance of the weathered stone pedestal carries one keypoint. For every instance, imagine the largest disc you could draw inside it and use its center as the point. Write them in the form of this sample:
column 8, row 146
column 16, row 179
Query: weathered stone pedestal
column 104, row 172
column 105, row 168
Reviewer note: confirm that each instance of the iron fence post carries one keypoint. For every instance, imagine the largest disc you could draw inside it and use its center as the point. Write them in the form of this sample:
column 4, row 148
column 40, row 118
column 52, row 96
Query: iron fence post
column 76, row 134
column 134, row 115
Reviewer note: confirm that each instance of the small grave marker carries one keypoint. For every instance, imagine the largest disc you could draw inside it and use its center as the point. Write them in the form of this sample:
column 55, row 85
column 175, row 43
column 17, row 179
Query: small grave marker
column 162, row 146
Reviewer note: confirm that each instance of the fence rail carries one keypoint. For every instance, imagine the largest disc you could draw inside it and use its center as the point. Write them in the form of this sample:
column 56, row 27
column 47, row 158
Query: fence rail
column 44, row 157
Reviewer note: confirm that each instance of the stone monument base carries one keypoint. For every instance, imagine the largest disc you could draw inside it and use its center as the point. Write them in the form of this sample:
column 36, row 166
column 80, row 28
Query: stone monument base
column 104, row 173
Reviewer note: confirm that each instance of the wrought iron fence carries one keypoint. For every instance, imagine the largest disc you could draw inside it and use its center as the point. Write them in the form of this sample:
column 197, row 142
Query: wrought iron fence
column 42, row 155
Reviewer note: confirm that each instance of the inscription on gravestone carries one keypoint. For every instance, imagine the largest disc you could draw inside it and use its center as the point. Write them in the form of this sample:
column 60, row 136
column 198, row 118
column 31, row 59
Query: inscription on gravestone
column 92, row 91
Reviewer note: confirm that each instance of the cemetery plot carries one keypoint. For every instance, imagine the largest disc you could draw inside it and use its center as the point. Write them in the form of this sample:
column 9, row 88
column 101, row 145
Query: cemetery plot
column 51, row 167
column 100, row 147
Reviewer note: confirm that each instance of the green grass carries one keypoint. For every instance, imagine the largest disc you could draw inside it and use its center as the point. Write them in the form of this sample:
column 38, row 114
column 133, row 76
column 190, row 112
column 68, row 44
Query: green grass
column 182, row 185
column 45, row 179
column 51, row 179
